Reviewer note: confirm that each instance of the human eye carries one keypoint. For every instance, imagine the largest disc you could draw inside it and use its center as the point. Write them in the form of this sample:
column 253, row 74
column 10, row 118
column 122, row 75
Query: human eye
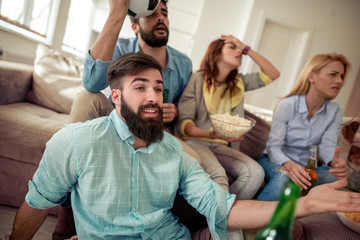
column 139, row 88
column 159, row 89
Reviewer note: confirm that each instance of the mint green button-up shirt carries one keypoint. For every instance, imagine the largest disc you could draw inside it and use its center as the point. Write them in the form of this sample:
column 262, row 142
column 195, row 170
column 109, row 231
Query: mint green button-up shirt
column 118, row 192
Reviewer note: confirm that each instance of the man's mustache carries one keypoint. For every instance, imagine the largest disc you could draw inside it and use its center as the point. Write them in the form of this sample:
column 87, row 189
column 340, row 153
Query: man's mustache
column 161, row 24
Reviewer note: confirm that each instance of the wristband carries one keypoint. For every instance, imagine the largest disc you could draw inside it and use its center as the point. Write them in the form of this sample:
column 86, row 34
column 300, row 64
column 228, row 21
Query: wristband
column 246, row 50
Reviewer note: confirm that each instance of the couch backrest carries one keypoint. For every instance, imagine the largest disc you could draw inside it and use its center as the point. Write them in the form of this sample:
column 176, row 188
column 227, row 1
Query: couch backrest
column 15, row 81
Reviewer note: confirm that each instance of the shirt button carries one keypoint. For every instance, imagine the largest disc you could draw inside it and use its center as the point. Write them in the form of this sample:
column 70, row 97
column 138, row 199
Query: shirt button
column 134, row 209
column 134, row 179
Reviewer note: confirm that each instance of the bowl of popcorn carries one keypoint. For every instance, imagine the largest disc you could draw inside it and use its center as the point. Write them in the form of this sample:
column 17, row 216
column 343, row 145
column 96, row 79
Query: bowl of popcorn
column 231, row 126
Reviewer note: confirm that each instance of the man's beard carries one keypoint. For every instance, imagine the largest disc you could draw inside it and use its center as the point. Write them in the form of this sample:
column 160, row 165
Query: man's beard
column 151, row 39
column 148, row 129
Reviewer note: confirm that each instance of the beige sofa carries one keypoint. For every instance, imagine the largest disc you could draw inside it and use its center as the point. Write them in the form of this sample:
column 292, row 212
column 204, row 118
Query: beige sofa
column 25, row 127
column 34, row 104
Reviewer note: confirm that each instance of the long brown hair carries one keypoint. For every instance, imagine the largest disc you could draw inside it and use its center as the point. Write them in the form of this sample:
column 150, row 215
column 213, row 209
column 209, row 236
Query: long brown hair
column 209, row 67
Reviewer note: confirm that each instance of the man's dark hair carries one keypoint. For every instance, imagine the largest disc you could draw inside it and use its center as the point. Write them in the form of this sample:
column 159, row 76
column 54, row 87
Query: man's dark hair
column 130, row 64
column 136, row 20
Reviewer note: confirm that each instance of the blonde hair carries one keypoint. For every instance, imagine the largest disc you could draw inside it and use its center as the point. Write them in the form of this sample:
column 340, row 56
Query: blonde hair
column 315, row 64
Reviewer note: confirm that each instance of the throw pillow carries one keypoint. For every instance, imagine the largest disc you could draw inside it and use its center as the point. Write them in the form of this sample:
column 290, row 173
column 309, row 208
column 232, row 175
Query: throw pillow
column 57, row 79
column 349, row 141
column 255, row 141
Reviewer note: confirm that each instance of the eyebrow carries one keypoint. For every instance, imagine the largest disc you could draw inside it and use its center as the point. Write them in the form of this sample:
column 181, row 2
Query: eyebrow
column 164, row 9
column 145, row 80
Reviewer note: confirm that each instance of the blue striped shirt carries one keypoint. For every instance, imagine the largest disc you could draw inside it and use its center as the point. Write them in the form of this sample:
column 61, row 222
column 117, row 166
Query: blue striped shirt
column 176, row 73
column 117, row 191
column 292, row 134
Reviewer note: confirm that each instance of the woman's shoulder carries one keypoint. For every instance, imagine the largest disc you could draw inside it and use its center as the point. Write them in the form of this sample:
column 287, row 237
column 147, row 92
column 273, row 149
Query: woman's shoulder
column 197, row 75
column 289, row 100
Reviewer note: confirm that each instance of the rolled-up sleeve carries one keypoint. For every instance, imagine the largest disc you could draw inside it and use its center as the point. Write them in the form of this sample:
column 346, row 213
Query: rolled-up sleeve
column 95, row 74
column 55, row 175
column 329, row 139
column 206, row 196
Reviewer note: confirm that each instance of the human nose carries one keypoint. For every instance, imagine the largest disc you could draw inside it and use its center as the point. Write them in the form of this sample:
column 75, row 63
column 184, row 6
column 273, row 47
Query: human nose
column 151, row 96
column 339, row 79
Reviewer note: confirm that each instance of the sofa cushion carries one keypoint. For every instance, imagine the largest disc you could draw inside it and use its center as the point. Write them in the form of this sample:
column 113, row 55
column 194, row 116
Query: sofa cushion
column 255, row 140
column 349, row 141
column 25, row 129
column 15, row 81
column 57, row 79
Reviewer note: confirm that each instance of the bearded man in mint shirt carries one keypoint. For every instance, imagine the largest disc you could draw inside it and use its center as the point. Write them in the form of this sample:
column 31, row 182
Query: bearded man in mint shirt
column 152, row 33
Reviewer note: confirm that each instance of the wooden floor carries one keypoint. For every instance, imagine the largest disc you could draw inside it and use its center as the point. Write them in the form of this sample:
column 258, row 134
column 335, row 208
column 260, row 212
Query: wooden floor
column 7, row 215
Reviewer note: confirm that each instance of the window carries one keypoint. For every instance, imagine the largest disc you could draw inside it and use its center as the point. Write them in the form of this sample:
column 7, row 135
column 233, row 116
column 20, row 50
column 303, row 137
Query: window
column 78, row 27
column 31, row 16
column 45, row 21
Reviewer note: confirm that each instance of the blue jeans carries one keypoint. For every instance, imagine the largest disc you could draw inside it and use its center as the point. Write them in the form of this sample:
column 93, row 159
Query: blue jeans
column 275, row 179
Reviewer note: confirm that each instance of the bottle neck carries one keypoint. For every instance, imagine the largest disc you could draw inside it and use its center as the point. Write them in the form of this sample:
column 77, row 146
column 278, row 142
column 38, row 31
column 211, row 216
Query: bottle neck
column 285, row 210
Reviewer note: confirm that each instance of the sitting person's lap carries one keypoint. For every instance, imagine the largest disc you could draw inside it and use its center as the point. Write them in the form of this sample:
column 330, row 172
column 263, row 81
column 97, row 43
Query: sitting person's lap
column 220, row 160
column 275, row 178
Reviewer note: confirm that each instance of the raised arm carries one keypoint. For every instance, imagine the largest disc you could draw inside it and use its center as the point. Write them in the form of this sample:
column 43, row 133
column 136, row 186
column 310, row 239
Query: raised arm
column 27, row 221
column 104, row 46
column 247, row 214
column 264, row 64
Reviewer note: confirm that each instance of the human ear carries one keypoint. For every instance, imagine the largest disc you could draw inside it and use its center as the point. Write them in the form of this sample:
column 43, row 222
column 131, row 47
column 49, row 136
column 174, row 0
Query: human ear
column 310, row 77
column 135, row 28
column 116, row 96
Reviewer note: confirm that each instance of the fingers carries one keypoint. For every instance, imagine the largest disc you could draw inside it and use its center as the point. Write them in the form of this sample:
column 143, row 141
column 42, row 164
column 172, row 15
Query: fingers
column 298, row 175
column 337, row 153
column 341, row 169
column 169, row 112
column 338, row 184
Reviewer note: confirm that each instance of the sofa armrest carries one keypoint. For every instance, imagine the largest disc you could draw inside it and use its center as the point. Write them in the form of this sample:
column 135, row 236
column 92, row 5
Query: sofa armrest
column 15, row 81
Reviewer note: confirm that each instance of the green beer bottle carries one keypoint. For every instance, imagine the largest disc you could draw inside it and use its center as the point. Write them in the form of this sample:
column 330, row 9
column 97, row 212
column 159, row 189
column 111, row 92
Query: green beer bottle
column 281, row 223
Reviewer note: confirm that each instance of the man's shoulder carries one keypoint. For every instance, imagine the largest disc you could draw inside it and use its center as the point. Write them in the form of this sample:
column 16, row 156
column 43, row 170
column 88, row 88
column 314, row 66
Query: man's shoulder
column 178, row 55
column 88, row 127
column 127, row 44
column 171, row 143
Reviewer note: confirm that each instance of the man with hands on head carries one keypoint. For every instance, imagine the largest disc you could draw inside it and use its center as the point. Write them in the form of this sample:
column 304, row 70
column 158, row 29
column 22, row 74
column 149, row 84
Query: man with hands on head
column 152, row 33
column 116, row 167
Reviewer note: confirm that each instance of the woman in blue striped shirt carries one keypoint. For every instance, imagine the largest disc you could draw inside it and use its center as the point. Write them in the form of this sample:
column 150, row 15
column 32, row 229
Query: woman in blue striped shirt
column 304, row 117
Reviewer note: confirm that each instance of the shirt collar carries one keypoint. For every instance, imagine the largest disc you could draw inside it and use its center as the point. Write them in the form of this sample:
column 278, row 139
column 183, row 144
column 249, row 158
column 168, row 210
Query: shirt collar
column 303, row 108
column 170, row 58
column 125, row 134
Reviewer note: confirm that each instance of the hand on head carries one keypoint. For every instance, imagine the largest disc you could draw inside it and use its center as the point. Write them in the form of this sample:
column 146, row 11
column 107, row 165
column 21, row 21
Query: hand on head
column 232, row 39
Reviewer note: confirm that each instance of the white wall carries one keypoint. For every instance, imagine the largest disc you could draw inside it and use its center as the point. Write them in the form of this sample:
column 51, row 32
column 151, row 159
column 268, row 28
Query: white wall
column 194, row 24
column 333, row 25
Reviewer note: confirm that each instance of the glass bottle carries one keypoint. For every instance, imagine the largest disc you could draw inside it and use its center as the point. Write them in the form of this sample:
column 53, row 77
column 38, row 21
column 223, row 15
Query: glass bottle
column 281, row 223
column 311, row 168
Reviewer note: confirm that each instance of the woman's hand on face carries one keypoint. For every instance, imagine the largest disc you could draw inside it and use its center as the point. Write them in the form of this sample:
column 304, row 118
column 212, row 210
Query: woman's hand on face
column 297, row 174
column 232, row 39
